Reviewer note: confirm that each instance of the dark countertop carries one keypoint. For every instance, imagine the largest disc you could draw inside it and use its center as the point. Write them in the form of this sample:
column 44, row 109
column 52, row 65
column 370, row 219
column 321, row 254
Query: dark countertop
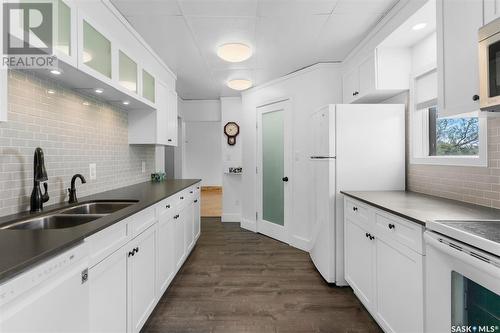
column 421, row 208
column 20, row 249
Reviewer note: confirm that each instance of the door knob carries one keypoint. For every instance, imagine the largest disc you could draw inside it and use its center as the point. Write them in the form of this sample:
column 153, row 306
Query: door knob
column 285, row 179
column 475, row 98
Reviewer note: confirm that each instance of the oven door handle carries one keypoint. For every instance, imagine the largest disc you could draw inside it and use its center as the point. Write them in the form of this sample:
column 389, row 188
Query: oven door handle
column 466, row 257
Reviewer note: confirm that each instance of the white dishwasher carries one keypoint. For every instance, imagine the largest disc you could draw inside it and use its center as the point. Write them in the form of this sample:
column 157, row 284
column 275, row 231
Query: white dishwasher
column 51, row 297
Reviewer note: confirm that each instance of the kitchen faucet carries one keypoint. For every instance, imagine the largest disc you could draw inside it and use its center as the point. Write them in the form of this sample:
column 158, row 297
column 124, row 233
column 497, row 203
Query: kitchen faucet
column 72, row 190
column 39, row 175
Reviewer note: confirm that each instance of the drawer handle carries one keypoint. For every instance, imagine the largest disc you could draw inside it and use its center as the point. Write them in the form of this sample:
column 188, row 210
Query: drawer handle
column 191, row 192
column 354, row 209
column 391, row 226
column 176, row 216
column 169, row 140
column 131, row 253
column 167, row 206
column 136, row 249
column 369, row 236
column 182, row 198
column 196, row 201
column 197, row 187
column 372, row 237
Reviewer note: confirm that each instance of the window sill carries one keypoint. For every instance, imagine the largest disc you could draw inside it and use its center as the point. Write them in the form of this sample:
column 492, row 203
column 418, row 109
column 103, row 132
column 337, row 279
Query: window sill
column 476, row 161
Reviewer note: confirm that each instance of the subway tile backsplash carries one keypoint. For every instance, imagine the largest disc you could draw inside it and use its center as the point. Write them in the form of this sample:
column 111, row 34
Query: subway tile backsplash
column 478, row 185
column 72, row 135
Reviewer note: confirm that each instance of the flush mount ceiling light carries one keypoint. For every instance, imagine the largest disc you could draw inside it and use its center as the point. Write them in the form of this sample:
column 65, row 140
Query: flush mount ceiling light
column 419, row 26
column 239, row 84
column 234, row 52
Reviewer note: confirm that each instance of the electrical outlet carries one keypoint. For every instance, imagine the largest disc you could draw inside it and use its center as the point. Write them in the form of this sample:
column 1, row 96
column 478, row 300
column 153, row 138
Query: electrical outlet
column 143, row 166
column 92, row 171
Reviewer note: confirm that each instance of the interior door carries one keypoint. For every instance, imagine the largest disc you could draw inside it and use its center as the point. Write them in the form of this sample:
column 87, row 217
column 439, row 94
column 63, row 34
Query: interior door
column 273, row 169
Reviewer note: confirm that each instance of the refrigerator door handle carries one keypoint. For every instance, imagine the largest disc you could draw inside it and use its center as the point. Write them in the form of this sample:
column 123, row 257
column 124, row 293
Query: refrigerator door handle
column 321, row 157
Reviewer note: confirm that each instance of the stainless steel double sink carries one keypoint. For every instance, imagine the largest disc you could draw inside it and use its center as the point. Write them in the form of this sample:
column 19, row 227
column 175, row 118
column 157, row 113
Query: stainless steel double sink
column 69, row 217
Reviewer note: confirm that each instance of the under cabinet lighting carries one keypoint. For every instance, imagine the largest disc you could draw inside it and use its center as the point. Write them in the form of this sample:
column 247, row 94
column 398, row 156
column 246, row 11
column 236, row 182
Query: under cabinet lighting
column 86, row 103
column 126, row 102
column 419, row 26
column 234, row 52
column 99, row 91
column 56, row 72
column 51, row 92
column 239, row 84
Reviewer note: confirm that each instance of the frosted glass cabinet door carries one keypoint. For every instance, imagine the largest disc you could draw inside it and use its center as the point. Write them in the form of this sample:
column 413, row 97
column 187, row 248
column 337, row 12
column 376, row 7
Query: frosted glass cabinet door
column 148, row 86
column 96, row 50
column 63, row 41
column 273, row 193
column 128, row 72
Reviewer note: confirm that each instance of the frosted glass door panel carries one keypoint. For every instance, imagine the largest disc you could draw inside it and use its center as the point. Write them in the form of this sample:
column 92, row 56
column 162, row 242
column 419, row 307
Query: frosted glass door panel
column 148, row 86
column 96, row 50
column 128, row 72
column 63, row 42
column 273, row 167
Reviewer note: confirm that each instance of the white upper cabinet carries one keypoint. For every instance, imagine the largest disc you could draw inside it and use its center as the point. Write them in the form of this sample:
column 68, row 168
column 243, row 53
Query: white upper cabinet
column 127, row 72
column 491, row 10
column 383, row 74
column 65, row 31
column 458, row 22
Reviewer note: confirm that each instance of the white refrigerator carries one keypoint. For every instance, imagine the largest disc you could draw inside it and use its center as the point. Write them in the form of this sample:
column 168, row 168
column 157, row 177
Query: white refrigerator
column 353, row 147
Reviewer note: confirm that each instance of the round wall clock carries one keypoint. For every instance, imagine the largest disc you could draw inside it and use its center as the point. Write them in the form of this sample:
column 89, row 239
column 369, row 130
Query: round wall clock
column 231, row 129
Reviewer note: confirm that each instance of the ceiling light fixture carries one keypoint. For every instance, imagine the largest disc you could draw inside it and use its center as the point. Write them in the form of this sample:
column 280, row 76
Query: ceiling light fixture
column 99, row 91
column 239, row 84
column 234, row 52
column 56, row 72
column 126, row 102
column 419, row 26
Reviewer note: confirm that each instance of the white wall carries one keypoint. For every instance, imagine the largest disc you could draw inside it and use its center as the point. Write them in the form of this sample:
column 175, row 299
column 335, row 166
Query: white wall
column 231, row 110
column 424, row 53
column 308, row 90
column 203, row 152
column 202, row 145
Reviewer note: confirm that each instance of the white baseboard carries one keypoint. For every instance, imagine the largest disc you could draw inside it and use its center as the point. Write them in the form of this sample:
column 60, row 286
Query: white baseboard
column 300, row 243
column 248, row 225
column 231, row 218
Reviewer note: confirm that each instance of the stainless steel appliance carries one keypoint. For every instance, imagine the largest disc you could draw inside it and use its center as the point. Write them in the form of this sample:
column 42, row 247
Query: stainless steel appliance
column 489, row 66
column 463, row 276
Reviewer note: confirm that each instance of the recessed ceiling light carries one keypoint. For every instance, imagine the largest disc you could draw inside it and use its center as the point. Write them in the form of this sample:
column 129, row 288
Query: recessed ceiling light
column 56, row 72
column 234, row 52
column 126, row 102
column 239, row 84
column 99, row 91
column 419, row 26
column 51, row 92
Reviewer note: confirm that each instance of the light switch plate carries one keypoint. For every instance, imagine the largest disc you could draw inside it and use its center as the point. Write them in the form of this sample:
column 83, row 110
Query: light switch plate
column 93, row 171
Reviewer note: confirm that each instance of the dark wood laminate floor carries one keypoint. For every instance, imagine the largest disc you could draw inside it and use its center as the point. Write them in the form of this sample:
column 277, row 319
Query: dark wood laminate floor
column 237, row 281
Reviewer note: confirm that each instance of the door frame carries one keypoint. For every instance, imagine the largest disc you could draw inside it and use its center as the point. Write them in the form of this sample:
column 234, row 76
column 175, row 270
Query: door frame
column 272, row 230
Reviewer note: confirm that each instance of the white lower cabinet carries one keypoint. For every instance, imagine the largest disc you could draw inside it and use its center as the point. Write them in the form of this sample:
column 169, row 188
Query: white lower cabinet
column 189, row 225
column 359, row 253
column 179, row 239
column 108, row 293
column 141, row 278
column 197, row 219
column 165, row 253
column 385, row 273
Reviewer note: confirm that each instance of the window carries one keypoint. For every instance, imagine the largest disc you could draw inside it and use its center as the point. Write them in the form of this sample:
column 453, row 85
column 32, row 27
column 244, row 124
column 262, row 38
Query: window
column 443, row 139
column 453, row 136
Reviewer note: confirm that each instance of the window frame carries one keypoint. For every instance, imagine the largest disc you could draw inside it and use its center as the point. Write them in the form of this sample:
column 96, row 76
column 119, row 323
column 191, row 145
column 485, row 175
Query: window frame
column 419, row 133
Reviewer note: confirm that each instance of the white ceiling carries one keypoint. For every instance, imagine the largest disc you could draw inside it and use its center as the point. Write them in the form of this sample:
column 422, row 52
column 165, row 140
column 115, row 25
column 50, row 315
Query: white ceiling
column 285, row 35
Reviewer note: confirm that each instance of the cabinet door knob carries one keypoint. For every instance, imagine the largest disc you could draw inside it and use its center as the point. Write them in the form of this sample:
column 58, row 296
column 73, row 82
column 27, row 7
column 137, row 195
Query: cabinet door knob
column 285, row 179
column 196, row 201
column 391, row 226
column 131, row 253
column 367, row 235
column 191, row 192
column 182, row 198
column 136, row 249
column 354, row 209
column 475, row 98
column 372, row 237
column 167, row 206
column 169, row 140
